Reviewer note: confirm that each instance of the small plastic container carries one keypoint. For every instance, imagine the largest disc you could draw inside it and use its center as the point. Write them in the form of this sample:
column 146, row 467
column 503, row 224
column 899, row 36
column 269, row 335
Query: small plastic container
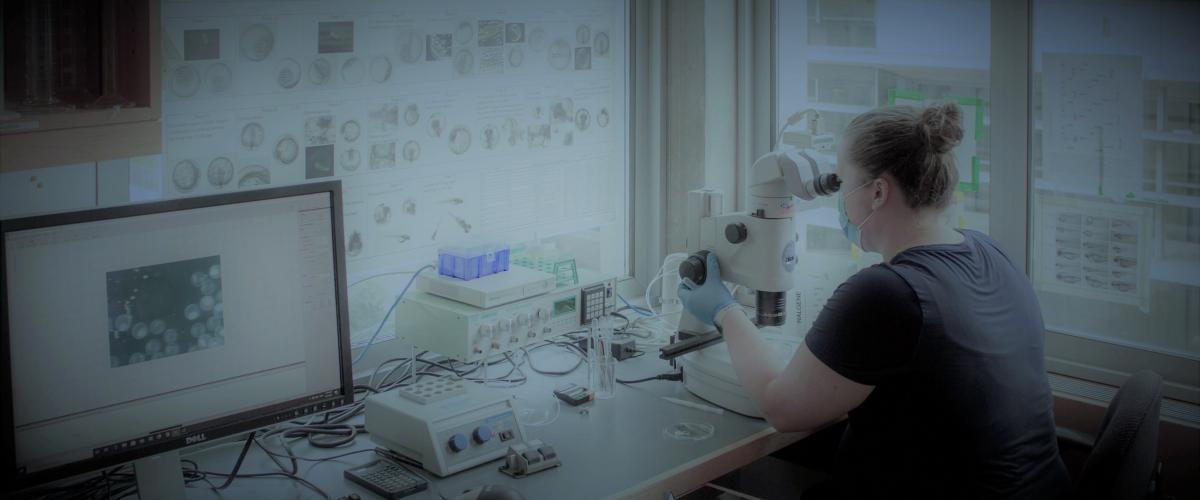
column 468, row 262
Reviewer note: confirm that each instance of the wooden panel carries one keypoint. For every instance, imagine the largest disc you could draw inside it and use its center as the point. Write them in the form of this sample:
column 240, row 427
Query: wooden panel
column 77, row 145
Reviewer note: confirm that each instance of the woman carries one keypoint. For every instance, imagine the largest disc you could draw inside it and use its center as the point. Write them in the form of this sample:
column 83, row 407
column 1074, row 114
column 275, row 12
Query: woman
column 936, row 354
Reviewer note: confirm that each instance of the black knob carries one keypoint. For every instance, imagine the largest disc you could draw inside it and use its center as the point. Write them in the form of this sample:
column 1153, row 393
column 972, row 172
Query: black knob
column 735, row 233
column 693, row 267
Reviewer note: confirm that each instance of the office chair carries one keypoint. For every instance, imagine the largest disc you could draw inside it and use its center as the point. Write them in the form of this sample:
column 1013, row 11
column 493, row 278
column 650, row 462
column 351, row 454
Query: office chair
column 1123, row 460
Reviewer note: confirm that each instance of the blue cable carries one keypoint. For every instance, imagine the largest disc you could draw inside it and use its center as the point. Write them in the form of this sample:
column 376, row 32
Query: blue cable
column 640, row 310
column 389, row 313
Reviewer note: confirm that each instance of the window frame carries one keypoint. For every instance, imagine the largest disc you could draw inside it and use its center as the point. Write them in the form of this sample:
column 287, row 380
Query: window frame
column 1088, row 358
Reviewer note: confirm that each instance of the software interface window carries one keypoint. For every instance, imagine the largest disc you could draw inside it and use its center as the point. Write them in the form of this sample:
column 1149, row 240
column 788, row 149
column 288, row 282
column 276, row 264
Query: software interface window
column 158, row 322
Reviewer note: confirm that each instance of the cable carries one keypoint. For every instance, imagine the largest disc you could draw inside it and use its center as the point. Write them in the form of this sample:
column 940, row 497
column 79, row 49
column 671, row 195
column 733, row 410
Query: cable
column 389, row 313
column 640, row 310
column 673, row 376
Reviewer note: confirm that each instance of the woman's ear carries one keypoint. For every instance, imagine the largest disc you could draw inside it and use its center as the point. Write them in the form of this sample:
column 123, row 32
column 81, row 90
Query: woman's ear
column 880, row 190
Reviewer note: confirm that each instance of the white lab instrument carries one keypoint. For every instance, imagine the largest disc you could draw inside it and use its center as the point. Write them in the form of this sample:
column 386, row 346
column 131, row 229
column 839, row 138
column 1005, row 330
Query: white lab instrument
column 469, row 333
column 445, row 425
column 489, row 291
column 756, row 249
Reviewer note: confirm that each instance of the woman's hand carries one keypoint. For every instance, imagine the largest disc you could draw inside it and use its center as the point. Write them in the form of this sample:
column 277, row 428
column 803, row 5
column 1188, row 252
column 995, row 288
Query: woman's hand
column 706, row 301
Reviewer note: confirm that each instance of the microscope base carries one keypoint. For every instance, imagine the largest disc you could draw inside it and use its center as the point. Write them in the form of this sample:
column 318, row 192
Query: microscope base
column 709, row 374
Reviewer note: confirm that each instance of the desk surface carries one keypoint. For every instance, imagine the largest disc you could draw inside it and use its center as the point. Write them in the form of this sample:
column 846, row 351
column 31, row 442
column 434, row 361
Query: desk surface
column 612, row 448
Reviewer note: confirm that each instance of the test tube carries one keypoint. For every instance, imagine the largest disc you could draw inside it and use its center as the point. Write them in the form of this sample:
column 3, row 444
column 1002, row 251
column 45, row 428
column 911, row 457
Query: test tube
column 602, row 366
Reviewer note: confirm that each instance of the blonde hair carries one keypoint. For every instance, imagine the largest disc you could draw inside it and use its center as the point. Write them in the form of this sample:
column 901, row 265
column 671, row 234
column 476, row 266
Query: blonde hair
column 912, row 145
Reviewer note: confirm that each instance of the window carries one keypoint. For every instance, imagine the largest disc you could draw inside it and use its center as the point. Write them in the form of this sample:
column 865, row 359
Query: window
column 444, row 123
column 1112, row 228
column 843, row 58
column 1115, row 229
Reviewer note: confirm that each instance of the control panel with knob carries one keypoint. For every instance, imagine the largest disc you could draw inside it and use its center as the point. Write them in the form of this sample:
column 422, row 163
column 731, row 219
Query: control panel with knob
column 482, row 434
column 457, row 443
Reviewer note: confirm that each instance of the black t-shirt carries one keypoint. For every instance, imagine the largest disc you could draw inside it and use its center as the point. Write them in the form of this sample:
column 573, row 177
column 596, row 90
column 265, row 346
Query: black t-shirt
column 951, row 337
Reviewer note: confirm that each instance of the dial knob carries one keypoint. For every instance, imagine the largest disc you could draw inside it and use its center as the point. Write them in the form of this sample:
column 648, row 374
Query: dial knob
column 693, row 267
column 736, row 233
column 458, row 442
column 503, row 325
column 543, row 314
column 482, row 434
column 485, row 330
column 522, row 320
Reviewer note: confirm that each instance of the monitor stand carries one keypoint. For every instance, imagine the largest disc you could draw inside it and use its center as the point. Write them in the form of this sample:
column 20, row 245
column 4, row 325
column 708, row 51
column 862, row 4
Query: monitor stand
column 160, row 476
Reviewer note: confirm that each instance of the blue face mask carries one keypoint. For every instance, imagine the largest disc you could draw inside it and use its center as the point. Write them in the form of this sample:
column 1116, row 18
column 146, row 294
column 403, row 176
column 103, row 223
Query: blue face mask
column 853, row 232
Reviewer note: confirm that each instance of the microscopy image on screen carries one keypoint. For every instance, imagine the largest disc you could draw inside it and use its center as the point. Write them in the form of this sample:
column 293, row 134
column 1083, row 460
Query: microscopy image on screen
column 164, row 310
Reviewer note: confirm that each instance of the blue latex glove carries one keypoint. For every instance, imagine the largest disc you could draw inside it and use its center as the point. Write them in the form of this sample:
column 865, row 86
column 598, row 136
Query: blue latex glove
column 707, row 300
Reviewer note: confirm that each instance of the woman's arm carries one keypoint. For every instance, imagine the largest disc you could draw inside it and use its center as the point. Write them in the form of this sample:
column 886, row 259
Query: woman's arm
column 804, row 395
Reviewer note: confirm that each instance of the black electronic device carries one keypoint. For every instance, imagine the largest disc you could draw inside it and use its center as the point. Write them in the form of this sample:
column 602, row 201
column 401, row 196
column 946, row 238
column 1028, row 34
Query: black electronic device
column 387, row 479
column 573, row 395
column 129, row 332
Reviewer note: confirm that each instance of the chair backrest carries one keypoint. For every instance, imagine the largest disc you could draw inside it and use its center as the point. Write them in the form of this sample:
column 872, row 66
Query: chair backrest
column 1123, row 459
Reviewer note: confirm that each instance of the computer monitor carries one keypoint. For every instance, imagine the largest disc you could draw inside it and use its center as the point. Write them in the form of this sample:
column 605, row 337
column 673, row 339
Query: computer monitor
column 133, row 331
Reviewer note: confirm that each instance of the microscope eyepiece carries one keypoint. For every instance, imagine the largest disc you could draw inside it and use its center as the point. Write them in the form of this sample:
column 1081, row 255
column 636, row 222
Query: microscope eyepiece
column 826, row 184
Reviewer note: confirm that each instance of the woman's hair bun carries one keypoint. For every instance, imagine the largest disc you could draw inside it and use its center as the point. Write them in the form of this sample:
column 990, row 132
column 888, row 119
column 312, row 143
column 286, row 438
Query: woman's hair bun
column 940, row 125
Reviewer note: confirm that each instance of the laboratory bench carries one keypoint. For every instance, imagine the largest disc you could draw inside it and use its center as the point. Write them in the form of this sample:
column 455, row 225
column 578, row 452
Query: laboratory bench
column 621, row 447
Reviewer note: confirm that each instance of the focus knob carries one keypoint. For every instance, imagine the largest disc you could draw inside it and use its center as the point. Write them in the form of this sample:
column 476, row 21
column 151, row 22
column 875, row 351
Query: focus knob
column 482, row 434
column 693, row 267
column 458, row 442
column 735, row 233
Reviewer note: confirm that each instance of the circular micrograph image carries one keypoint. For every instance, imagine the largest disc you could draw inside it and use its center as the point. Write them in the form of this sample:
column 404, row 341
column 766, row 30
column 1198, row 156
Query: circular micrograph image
column 381, row 69
column 491, row 136
column 537, row 38
column 353, row 71
column 286, row 150
column 563, row 110
column 319, row 71
column 600, row 44
column 460, row 140
column 464, row 62
column 559, row 55
column 383, row 213
column 257, row 42
column 437, row 125
column 583, row 119
column 185, row 175
column 602, row 118
column 412, row 115
column 583, row 35
column 411, row 151
column 512, row 131
column 219, row 78
column 252, row 135
column 287, row 73
column 354, row 244
column 464, row 33
column 351, row 130
column 185, row 81
column 220, row 171
column 254, row 175
column 516, row 56
column 411, row 46
column 350, row 159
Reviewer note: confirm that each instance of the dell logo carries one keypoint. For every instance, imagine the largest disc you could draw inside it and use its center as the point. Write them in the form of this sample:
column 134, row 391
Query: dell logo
column 190, row 440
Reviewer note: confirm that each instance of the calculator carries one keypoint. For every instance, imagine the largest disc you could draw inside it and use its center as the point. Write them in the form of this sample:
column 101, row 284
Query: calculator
column 387, row 479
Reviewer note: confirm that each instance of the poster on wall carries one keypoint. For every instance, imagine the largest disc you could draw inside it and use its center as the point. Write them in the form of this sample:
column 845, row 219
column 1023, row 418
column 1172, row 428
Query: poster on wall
column 444, row 120
column 1092, row 109
column 1095, row 250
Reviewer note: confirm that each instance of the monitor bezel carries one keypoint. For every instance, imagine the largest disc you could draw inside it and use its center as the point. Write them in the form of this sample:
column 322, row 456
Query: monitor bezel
column 223, row 426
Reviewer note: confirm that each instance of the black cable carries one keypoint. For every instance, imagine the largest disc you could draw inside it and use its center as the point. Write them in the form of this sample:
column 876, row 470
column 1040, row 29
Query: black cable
column 675, row 376
column 238, row 464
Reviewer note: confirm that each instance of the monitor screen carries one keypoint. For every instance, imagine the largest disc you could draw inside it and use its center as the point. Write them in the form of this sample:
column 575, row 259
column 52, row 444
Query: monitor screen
column 135, row 330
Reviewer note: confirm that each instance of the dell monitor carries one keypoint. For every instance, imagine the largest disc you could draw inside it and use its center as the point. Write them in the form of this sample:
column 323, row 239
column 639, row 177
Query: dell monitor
column 133, row 331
